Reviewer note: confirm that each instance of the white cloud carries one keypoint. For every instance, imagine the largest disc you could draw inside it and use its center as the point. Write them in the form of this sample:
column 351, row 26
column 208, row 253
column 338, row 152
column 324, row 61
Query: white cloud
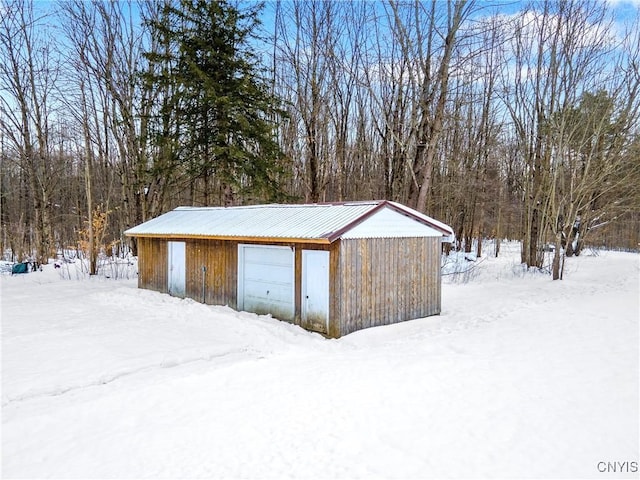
column 619, row 3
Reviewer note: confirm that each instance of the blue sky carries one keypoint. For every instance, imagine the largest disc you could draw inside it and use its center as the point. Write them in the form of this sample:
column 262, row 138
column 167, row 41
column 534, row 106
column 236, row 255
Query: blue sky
column 623, row 10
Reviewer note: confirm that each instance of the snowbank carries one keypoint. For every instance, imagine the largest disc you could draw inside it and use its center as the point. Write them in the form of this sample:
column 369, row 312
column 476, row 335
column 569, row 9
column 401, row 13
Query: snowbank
column 519, row 377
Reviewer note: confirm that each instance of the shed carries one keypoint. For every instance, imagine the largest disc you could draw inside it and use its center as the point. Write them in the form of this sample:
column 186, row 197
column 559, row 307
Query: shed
column 331, row 268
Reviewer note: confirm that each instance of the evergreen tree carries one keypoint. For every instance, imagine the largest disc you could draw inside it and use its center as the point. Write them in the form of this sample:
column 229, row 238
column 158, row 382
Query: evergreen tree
column 220, row 106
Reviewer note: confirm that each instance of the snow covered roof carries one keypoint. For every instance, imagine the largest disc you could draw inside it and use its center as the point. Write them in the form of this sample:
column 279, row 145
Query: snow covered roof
column 323, row 223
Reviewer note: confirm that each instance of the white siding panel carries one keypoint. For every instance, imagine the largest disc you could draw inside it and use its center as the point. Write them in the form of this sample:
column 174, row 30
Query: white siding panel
column 315, row 290
column 388, row 223
column 176, row 270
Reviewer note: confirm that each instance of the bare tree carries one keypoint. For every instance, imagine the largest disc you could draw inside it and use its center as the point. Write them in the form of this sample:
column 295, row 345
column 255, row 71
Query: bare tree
column 434, row 52
column 565, row 129
column 306, row 41
column 111, row 109
column 28, row 72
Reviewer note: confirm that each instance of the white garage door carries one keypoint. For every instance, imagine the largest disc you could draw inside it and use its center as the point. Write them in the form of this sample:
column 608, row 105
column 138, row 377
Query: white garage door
column 266, row 280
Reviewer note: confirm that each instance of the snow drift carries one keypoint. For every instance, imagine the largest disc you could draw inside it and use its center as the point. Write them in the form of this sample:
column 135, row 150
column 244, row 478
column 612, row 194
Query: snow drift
column 518, row 377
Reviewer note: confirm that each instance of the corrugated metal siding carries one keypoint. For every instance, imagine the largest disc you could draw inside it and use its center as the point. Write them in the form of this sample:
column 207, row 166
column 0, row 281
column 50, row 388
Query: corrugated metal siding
column 220, row 259
column 152, row 264
column 373, row 281
column 384, row 281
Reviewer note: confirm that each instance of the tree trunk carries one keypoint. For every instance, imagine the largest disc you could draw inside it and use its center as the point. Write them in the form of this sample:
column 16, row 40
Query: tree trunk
column 556, row 257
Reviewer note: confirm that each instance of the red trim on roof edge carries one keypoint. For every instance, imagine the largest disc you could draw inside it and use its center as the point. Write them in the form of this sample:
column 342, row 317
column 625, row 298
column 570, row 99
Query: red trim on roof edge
column 333, row 236
column 403, row 209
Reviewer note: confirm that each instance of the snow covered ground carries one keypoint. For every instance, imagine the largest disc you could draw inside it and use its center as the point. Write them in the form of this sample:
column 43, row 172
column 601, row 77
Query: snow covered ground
column 519, row 377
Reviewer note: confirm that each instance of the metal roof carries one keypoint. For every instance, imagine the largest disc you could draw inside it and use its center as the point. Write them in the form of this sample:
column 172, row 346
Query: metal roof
column 316, row 222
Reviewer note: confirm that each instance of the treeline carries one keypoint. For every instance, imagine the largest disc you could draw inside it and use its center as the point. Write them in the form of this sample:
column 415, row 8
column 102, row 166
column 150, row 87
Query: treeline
column 519, row 125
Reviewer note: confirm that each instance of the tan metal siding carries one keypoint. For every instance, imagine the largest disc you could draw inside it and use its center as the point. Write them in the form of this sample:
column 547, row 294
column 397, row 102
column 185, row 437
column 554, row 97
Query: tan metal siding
column 372, row 281
column 335, row 288
column 386, row 281
column 220, row 259
column 152, row 264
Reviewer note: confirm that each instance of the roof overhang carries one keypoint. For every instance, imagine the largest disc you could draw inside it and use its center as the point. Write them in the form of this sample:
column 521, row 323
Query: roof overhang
column 317, row 241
